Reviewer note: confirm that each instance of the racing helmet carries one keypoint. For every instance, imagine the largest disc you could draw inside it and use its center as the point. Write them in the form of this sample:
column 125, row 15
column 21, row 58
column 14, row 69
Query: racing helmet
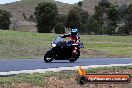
column 74, row 31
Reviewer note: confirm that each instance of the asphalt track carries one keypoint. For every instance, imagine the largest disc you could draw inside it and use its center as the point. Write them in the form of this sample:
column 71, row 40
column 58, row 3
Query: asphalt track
column 7, row 65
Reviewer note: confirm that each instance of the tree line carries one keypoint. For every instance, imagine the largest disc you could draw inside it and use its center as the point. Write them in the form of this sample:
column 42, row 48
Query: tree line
column 108, row 19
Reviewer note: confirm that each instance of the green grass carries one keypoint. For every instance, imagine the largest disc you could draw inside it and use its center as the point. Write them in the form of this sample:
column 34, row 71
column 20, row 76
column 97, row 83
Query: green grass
column 14, row 44
column 94, row 70
column 36, row 79
column 23, row 44
column 120, row 46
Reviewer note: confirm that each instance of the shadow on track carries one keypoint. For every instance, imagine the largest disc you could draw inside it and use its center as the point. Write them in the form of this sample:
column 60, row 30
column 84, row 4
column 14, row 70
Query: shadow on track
column 62, row 62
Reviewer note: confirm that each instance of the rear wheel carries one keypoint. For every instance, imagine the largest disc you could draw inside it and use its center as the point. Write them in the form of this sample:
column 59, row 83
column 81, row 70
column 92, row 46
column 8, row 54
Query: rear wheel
column 72, row 59
column 75, row 57
column 48, row 57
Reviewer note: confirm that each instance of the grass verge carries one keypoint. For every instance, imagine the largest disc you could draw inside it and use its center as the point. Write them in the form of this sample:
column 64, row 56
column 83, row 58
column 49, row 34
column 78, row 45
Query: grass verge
column 39, row 79
column 14, row 44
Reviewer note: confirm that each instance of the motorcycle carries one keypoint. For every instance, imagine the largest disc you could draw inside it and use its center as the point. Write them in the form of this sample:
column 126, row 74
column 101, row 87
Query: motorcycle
column 63, row 50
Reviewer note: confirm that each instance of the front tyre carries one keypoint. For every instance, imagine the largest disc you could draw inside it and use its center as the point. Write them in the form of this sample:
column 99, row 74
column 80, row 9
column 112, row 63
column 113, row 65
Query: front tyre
column 48, row 57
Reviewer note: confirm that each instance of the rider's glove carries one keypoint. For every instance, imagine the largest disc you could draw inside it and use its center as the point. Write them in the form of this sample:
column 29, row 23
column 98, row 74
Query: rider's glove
column 61, row 36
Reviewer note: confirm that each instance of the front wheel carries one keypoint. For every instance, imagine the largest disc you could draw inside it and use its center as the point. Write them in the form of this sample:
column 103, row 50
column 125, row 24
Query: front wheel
column 48, row 57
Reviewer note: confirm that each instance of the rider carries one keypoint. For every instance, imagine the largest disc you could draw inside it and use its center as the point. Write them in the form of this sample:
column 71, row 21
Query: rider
column 74, row 37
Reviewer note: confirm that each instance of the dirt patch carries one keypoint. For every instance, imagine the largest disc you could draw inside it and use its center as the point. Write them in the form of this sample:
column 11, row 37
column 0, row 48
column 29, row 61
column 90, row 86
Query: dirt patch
column 24, row 85
column 54, row 82
column 19, row 85
column 67, row 79
column 4, row 85
column 92, row 53
column 99, row 54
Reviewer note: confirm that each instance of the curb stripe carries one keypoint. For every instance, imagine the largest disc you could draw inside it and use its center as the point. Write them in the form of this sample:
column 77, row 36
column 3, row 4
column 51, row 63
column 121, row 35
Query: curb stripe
column 57, row 69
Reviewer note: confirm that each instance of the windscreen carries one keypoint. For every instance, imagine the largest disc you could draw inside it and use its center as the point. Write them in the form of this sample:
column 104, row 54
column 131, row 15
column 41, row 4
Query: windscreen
column 58, row 40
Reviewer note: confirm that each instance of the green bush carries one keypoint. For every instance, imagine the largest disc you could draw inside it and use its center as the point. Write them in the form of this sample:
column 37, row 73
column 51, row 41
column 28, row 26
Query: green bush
column 122, row 31
column 59, row 29
column 4, row 19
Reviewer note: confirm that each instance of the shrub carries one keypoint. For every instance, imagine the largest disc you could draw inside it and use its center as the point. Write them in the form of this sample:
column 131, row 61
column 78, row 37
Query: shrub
column 59, row 28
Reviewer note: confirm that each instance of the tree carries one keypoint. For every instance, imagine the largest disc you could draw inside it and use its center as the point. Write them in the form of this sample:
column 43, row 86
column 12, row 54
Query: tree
column 112, row 12
column 77, row 18
column 73, row 18
column 46, row 17
column 4, row 19
column 112, row 18
column 83, row 16
column 59, row 28
column 93, row 26
column 61, row 18
column 83, row 19
column 101, row 13
column 129, row 20
column 122, row 12
column 31, row 18
column 80, row 3
column 107, row 16
column 24, row 16
column 104, row 3
column 14, row 23
column 122, row 31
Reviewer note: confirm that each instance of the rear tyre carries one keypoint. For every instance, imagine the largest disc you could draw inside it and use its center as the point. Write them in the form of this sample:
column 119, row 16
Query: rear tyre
column 48, row 57
column 74, row 58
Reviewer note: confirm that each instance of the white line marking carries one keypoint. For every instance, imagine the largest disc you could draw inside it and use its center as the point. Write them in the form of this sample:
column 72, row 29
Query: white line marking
column 58, row 69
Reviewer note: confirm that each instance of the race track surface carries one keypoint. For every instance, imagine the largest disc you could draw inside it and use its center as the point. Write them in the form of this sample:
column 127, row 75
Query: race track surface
column 32, row 64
